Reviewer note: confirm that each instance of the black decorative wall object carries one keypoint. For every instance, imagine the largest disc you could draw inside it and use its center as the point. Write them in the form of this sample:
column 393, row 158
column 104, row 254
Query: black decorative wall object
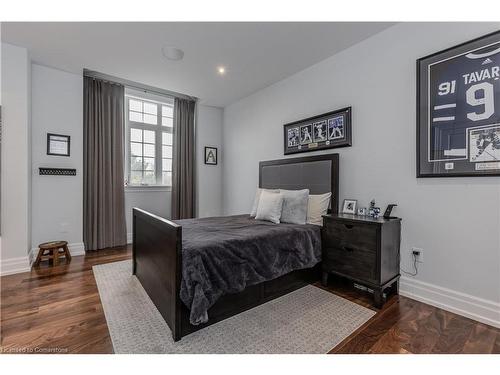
column 57, row 171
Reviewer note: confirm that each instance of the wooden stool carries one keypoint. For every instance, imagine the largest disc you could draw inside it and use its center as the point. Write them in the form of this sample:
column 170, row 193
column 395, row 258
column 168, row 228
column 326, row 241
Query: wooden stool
column 54, row 249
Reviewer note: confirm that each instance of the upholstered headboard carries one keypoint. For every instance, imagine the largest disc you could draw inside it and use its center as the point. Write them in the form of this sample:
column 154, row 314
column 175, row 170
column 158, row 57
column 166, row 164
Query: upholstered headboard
column 319, row 174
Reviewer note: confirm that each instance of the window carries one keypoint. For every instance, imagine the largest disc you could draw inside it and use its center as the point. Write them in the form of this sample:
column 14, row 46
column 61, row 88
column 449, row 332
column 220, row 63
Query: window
column 149, row 139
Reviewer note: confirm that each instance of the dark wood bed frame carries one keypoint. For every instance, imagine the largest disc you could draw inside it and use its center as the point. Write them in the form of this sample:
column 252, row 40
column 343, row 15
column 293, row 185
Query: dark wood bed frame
column 157, row 263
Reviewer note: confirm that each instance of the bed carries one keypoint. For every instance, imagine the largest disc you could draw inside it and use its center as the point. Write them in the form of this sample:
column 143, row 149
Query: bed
column 200, row 271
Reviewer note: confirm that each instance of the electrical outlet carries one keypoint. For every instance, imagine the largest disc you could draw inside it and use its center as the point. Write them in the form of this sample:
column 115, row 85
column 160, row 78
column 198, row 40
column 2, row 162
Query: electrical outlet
column 418, row 253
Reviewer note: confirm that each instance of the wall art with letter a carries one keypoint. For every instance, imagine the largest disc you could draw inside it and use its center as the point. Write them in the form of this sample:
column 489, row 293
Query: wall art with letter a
column 211, row 155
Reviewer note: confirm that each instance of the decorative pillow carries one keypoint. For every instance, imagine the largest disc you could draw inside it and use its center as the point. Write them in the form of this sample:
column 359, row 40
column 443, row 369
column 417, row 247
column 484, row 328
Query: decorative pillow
column 257, row 197
column 317, row 207
column 294, row 206
column 270, row 206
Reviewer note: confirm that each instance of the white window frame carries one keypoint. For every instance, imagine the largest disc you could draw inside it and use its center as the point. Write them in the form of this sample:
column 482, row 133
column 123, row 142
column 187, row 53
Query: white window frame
column 158, row 129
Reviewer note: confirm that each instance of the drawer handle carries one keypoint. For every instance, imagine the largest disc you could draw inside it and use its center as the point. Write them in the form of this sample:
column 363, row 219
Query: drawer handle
column 347, row 248
column 349, row 226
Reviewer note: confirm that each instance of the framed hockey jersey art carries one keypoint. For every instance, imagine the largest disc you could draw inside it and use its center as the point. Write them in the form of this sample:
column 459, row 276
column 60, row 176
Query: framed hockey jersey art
column 458, row 110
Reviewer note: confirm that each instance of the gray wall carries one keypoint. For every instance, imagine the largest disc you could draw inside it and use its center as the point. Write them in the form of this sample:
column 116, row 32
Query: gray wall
column 456, row 221
column 57, row 201
column 209, row 177
column 155, row 200
column 15, row 159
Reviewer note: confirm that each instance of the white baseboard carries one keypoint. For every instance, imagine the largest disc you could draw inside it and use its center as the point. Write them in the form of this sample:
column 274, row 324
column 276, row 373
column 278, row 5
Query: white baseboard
column 479, row 309
column 23, row 264
column 14, row 265
column 129, row 238
column 77, row 248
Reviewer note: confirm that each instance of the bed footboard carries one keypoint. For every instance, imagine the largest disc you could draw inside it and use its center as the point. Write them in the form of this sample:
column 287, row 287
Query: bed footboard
column 157, row 262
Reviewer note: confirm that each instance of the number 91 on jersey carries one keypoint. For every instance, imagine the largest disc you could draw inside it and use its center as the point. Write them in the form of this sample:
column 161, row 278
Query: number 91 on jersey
column 458, row 110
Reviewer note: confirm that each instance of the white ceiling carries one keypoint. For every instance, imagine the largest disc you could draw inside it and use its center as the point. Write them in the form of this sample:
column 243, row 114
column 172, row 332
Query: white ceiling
column 256, row 55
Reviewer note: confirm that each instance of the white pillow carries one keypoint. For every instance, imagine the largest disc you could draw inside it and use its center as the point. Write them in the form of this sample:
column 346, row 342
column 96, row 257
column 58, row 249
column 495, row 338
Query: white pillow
column 295, row 204
column 257, row 197
column 317, row 207
column 270, row 205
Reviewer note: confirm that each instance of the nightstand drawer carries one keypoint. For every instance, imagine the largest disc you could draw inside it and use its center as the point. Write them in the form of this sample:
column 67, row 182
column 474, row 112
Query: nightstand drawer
column 351, row 261
column 350, row 234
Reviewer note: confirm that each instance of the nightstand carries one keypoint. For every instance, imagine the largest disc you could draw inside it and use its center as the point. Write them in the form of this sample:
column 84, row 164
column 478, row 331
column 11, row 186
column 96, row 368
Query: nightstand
column 362, row 249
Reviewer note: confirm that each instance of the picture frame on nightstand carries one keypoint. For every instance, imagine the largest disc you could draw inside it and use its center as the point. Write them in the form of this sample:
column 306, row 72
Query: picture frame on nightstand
column 349, row 206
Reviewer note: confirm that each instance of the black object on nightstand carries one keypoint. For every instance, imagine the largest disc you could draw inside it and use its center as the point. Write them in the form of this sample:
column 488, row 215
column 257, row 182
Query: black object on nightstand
column 364, row 250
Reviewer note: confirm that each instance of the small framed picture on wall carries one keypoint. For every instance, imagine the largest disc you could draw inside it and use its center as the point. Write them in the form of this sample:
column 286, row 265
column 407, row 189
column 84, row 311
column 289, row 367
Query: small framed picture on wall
column 58, row 145
column 211, row 155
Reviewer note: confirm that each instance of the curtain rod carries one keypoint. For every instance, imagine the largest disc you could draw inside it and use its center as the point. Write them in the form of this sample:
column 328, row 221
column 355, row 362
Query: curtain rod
column 136, row 85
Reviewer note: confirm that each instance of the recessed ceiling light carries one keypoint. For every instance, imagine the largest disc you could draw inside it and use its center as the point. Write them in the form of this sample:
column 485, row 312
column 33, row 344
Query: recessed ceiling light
column 172, row 53
column 221, row 70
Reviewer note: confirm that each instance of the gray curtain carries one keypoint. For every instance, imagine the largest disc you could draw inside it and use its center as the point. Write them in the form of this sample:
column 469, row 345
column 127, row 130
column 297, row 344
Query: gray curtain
column 103, row 180
column 183, row 191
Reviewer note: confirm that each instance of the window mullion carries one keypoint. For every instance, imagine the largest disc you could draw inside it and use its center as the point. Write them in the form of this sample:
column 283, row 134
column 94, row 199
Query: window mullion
column 158, row 158
column 143, row 167
column 128, row 153
column 140, row 125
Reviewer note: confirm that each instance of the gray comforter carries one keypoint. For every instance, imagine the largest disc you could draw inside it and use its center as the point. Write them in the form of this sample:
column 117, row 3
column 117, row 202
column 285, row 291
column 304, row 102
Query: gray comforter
column 222, row 255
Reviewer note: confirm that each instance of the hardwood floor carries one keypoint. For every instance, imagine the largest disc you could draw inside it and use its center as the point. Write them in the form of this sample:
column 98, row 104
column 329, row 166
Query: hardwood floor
column 408, row 326
column 58, row 309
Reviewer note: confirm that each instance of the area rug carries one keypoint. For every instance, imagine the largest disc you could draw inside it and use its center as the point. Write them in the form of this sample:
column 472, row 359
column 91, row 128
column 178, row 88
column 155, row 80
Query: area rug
column 308, row 320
